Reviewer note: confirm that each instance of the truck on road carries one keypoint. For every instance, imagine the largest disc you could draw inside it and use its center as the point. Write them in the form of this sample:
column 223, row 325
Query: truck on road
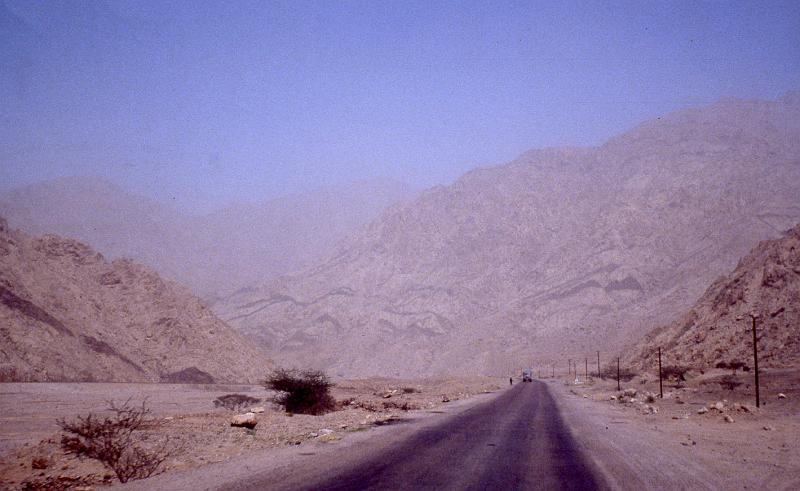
column 527, row 375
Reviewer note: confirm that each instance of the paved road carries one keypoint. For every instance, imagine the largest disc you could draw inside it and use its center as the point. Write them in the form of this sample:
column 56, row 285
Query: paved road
column 515, row 441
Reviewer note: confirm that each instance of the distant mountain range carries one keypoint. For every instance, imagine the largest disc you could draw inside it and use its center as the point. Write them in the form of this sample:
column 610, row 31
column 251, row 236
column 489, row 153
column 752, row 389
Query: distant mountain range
column 718, row 328
column 555, row 255
column 68, row 314
column 213, row 254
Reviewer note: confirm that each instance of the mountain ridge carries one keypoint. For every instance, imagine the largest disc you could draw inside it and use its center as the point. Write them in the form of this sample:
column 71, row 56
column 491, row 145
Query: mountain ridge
column 67, row 314
column 213, row 253
column 560, row 251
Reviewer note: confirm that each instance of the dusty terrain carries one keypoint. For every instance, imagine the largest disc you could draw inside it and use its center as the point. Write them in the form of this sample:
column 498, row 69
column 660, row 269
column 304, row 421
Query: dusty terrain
column 562, row 250
column 668, row 444
column 68, row 314
column 202, row 432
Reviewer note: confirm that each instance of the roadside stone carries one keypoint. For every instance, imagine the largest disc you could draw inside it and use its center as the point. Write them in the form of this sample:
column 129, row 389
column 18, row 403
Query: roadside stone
column 325, row 431
column 257, row 410
column 719, row 406
column 445, row 399
column 768, row 428
column 612, row 398
column 781, row 396
column 702, row 410
column 246, row 420
column 330, row 437
column 728, row 418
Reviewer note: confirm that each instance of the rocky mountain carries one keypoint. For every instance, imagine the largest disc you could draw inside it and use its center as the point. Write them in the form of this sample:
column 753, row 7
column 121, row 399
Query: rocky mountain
column 67, row 314
column 765, row 283
column 213, row 254
column 554, row 255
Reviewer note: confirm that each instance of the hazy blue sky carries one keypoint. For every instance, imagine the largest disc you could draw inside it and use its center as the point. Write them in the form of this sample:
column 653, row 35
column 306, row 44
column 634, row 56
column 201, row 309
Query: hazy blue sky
column 211, row 102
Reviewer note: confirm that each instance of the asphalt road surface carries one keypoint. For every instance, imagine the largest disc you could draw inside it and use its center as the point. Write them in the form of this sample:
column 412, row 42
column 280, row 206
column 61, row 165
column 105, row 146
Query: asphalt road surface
column 515, row 441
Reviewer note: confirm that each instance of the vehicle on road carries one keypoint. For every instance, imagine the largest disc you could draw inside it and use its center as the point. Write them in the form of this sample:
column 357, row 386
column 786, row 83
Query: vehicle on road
column 527, row 375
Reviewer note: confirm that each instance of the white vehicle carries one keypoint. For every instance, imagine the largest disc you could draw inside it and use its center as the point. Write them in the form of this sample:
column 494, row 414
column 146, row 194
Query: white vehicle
column 527, row 375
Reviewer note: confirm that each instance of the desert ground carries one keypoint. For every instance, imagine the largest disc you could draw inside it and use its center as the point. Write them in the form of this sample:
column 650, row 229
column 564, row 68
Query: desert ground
column 635, row 441
column 685, row 440
column 200, row 432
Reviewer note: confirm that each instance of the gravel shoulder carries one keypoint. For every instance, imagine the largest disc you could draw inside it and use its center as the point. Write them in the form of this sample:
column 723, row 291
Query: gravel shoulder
column 674, row 447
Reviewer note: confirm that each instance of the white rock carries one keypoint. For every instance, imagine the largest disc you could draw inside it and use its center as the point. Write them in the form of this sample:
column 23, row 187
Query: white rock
column 325, row 431
column 781, row 396
column 719, row 406
column 728, row 418
column 702, row 410
column 257, row 410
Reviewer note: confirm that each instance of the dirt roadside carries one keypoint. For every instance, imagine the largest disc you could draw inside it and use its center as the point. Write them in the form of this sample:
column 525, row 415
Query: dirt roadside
column 187, row 417
column 683, row 441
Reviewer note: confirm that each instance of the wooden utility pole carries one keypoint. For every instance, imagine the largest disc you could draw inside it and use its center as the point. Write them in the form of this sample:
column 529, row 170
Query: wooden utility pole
column 553, row 366
column 660, row 384
column 586, row 370
column 598, row 364
column 618, row 373
column 569, row 370
column 755, row 359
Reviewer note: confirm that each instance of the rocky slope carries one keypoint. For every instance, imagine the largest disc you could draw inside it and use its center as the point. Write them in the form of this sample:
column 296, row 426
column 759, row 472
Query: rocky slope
column 214, row 254
column 557, row 254
column 765, row 283
column 67, row 314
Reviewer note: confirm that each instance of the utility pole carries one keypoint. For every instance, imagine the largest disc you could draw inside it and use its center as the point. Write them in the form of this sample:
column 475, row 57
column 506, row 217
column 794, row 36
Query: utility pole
column 755, row 359
column 660, row 385
column 618, row 373
column 586, row 370
column 569, row 370
column 553, row 366
column 598, row 364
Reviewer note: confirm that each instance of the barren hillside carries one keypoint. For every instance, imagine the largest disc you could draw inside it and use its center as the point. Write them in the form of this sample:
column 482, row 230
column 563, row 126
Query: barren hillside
column 766, row 283
column 67, row 314
column 214, row 254
column 560, row 252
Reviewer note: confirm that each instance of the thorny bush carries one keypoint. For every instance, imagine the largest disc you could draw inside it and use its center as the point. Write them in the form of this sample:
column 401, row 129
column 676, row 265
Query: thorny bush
column 235, row 402
column 675, row 372
column 610, row 372
column 114, row 441
column 302, row 392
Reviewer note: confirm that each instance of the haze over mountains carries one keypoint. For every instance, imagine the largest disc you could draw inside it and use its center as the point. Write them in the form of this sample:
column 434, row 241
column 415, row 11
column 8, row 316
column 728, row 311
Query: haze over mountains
column 213, row 254
column 556, row 254
column 717, row 328
column 67, row 314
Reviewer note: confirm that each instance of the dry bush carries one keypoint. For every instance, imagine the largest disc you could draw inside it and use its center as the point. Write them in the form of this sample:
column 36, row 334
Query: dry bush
column 114, row 441
column 733, row 365
column 235, row 402
column 675, row 372
column 729, row 382
column 302, row 392
column 610, row 372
